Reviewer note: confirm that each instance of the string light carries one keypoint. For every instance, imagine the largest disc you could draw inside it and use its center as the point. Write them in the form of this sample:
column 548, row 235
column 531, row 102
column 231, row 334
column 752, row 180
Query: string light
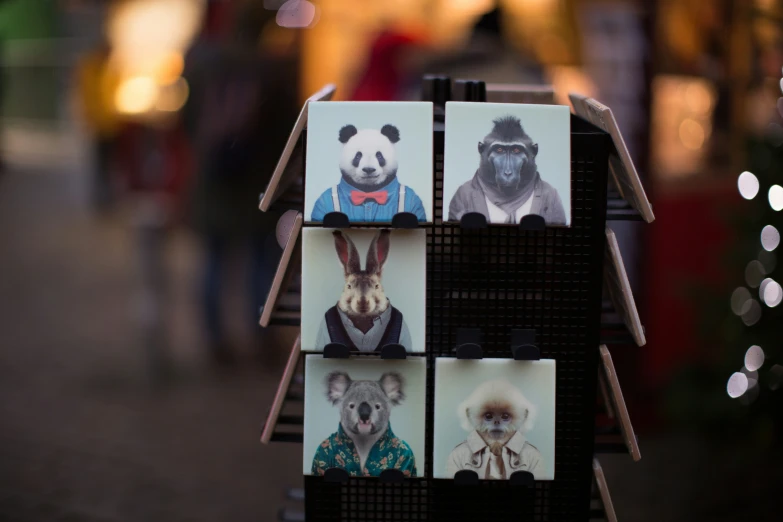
column 770, row 238
column 776, row 197
column 748, row 185
column 737, row 385
column 754, row 358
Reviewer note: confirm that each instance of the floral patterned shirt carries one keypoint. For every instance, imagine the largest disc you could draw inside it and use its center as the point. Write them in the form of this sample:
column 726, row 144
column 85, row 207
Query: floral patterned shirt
column 389, row 452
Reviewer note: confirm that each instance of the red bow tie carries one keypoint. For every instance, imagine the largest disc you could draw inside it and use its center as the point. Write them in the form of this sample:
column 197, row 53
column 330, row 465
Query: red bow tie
column 357, row 198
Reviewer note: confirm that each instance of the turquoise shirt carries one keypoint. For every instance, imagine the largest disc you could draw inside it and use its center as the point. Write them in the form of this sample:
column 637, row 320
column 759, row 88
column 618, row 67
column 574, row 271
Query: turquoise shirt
column 388, row 452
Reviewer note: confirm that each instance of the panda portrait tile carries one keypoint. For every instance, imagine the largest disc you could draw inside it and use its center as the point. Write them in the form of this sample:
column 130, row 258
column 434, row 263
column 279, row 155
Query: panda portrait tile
column 507, row 160
column 364, row 288
column 369, row 160
column 364, row 415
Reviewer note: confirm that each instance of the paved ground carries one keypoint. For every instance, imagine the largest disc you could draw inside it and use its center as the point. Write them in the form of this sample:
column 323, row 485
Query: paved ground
column 84, row 433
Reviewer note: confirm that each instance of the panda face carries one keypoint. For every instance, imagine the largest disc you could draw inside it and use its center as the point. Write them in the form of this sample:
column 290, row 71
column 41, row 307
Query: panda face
column 369, row 157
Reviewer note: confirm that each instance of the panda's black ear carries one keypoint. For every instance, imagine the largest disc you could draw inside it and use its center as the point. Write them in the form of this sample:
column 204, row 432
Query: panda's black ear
column 391, row 132
column 347, row 132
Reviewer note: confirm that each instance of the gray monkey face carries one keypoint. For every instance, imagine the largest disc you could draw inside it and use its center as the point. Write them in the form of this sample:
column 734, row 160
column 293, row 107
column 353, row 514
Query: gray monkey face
column 508, row 160
column 365, row 406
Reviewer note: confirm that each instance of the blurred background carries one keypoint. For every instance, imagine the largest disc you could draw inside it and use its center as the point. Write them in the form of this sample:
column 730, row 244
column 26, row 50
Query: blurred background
column 136, row 136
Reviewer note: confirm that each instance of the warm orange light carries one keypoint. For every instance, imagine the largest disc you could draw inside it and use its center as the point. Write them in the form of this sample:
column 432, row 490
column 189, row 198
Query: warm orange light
column 136, row 95
column 173, row 97
column 692, row 134
column 170, row 68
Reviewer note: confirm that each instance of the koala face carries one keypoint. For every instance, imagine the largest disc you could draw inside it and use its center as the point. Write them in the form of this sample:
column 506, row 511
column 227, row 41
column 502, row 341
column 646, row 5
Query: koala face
column 365, row 406
column 369, row 157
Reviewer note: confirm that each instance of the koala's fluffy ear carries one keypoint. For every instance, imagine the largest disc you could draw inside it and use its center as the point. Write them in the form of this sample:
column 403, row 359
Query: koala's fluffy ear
column 391, row 132
column 392, row 385
column 347, row 132
column 337, row 383
column 534, row 147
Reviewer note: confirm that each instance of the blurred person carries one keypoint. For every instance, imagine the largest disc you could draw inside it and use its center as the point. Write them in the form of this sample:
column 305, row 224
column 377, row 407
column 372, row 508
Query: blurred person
column 239, row 114
column 487, row 56
column 394, row 63
column 97, row 82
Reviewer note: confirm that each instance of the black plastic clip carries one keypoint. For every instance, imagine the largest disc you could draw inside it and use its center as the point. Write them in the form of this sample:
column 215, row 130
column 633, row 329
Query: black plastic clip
column 473, row 221
column 336, row 220
column 522, row 478
column 469, row 343
column 466, row 477
column 336, row 475
column 523, row 345
column 393, row 351
column 392, row 476
column 405, row 220
column 532, row 222
column 336, row 351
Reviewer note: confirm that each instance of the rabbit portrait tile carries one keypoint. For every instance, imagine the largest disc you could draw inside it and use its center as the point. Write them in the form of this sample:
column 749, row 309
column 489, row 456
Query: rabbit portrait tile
column 363, row 288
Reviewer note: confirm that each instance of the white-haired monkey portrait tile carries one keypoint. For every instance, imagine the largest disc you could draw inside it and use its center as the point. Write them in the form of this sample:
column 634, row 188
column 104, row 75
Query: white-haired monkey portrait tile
column 364, row 415
column 364, row 288
column 494, row 417
column 369, row 160
column 507, row 160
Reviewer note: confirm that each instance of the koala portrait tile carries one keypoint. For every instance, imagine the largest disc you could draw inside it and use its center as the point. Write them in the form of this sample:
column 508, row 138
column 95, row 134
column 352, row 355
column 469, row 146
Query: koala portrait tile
column 507, row 160
column 364, row 288
column 494, row 417
column 369, row 160
column 364, row 415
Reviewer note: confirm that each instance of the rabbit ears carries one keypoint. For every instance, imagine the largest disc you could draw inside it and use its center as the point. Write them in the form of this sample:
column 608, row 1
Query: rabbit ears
column 349, row 256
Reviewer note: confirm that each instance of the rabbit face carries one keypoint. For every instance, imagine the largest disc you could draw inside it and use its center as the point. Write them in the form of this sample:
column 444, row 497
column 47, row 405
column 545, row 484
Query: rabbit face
column 363, row 293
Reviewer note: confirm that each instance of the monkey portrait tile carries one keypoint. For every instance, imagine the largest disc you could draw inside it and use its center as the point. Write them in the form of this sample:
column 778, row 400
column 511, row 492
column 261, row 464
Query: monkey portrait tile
column 494, row 417
column 364, row 415
column 369, row 160
column 507, row 160
column 364, row 288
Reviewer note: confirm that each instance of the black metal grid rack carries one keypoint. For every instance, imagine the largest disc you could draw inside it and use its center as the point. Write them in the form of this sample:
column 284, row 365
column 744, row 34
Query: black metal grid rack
column 498, row 279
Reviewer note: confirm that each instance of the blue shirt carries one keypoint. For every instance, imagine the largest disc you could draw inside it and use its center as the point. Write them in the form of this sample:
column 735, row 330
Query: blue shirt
column 369, row 211
column 388, row 452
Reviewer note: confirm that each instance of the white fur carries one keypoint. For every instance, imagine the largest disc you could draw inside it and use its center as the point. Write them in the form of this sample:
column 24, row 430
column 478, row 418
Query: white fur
column 499, row 389
column 368, row 142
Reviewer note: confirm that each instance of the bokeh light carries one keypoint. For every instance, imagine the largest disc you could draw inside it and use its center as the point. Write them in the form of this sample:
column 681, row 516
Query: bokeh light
column 754, row 358
column 753, row 314
column 173, row 97
column 748, row 185
column 297, row 14
column 692, row 134
column 737, row 385
column 776, row 197
column 754, row 273
column 770, row 238
column 136, row 95
column 772, row 294
column 775, row 377
column 740, row 300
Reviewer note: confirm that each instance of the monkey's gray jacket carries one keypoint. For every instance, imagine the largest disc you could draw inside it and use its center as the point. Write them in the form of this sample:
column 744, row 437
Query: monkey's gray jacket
column 471, row 198
column 473, row 454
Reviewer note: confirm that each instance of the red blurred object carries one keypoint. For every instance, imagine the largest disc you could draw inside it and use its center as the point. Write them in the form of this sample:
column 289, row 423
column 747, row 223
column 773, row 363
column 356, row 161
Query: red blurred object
column 685, row 243
column 385, row 72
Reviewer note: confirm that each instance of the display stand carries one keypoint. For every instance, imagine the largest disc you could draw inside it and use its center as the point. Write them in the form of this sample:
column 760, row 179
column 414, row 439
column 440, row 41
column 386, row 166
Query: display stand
column 525, row 292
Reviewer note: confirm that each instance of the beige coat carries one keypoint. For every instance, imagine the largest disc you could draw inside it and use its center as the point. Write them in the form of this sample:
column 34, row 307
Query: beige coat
column 473, row 454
